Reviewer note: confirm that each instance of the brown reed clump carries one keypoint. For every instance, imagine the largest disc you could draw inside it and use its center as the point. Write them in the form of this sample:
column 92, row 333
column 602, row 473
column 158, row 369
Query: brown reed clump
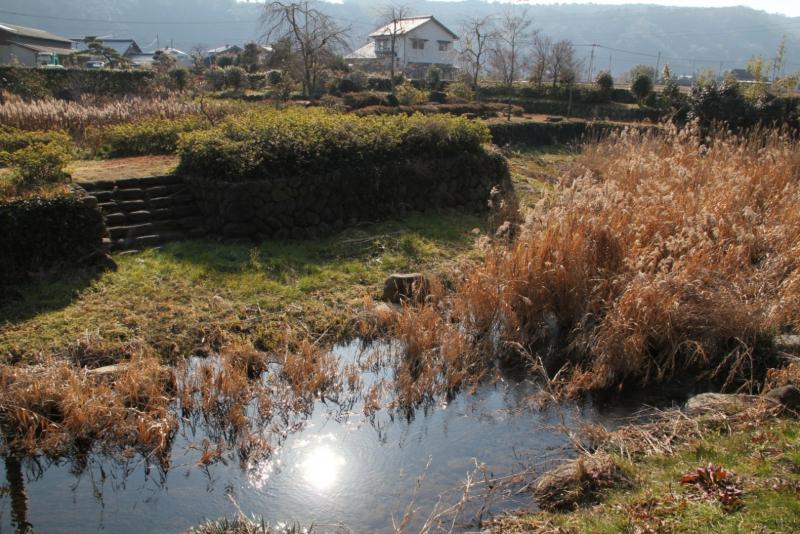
column 660, row 253
column 58, row 409
column 76, row 117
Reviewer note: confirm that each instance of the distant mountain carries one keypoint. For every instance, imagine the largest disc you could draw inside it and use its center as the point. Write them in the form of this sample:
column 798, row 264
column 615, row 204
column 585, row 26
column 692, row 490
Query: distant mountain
column 688, row 39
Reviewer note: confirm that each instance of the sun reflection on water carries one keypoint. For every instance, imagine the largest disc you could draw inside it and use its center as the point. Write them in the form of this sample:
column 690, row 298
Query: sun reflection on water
column 321, row 467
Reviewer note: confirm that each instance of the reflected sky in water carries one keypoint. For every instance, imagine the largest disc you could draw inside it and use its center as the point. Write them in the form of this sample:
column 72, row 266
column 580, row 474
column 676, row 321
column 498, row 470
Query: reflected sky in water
column 340, row 467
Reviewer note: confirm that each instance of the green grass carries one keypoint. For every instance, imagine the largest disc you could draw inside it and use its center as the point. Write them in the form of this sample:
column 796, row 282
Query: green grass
column 198, row 292
column 535, row 170
column 764, row 457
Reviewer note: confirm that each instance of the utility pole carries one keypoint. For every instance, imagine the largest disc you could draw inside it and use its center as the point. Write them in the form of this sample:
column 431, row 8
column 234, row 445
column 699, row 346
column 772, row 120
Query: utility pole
column 609, row 63
column 658, row 64
column 719, row 75
column 591, row 65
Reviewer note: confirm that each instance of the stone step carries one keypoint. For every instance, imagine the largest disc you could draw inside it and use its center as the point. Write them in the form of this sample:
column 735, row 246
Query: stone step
column 145, row 182
column 130, row 194
column 135, row 230
column 154, row 239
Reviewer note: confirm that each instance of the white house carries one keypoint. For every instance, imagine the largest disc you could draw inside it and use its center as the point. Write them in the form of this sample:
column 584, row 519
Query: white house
column 420, row 42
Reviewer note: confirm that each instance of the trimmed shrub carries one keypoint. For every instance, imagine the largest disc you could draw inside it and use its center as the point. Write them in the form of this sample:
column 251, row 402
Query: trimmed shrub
column 479, row 110
column 642, row 86
column 382, row 84
column 179, row 78
column 39, row 165
column 256, row 80
column 362, row 100
column 301, row 173
column 274, row 77
column 236, row 78
column 29, row 82
column 215, row 77
column 142, row 138
column 13, row 139
column 265, row 143
column 43, row 234
column 408, row 95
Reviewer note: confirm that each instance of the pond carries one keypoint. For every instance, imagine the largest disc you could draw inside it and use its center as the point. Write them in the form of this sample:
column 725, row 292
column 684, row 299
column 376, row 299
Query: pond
column 339, row 470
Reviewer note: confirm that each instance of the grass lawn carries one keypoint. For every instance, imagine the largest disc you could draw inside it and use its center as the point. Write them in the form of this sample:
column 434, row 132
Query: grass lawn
column 763, row 459
column 205, row 292
column 113, row 169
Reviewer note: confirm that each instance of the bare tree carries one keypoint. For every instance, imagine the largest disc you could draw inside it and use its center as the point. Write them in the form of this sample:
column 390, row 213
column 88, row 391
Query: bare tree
column 512, row 36
column 391, row 16
column 563, row 66
column 478, row 34
column 542, row 46
column 313, row 34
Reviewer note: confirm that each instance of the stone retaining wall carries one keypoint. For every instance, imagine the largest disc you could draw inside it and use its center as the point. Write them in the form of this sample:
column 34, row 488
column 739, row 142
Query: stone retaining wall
column 41, row 235
column 312, row 206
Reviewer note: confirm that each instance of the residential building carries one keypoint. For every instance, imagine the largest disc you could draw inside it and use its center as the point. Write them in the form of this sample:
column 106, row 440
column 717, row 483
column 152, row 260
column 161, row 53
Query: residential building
column 420, row 43
column 30, row 46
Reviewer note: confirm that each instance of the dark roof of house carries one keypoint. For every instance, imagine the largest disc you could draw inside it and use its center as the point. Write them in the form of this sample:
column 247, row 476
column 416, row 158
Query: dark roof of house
column 32, row 32
column 43, row 48
column 121, row 46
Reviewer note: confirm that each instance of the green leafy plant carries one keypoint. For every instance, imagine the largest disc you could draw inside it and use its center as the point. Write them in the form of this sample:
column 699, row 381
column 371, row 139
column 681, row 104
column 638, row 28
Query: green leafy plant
column 142, row 138
column 39, row 165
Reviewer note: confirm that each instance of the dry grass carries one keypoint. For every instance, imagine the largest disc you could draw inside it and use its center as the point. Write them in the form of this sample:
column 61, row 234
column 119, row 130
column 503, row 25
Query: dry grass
column 76, row 117
column 659, row 254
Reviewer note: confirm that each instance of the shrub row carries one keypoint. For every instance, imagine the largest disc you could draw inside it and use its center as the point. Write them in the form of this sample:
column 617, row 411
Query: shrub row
column 30, row 82
column 43, row 234
column 304, row 173
column 587, row 111
column 268, row 143
column 551, row 133
column 142, row 138
column 480, row 110
column 14, row 139
column 579, row 94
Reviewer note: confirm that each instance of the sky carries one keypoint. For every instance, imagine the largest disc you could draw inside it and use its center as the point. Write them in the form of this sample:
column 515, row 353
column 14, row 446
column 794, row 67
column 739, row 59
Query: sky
column 790, row 8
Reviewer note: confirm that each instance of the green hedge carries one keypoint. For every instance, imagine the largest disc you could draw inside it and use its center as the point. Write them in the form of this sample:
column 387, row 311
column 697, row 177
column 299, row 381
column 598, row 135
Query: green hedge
column 610, row 111
column 142, row 138
column 550, row 133
column 304, row 173
column 14, row 139
column 267, row 143
column 579, row 94
column 478, row 109
column 31, row 82
column 43, row 234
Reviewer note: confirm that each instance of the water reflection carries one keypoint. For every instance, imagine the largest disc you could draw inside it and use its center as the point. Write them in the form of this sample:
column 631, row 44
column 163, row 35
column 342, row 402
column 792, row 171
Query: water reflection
column 321, row 466
column 332, row 468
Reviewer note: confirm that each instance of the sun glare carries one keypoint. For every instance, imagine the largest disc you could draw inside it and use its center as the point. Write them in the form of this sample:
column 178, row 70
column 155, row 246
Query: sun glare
column 321, row 467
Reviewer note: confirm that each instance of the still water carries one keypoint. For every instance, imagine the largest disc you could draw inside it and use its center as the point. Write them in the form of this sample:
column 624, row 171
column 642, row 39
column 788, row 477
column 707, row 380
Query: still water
column 339, row 469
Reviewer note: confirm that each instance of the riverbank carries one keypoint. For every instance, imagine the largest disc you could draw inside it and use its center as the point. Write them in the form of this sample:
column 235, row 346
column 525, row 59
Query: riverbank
column 723, row 464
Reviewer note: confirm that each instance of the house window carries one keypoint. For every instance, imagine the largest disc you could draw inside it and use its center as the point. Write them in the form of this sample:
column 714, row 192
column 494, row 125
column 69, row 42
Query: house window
column 382, row 45
column 418, row 44
column 444, row 46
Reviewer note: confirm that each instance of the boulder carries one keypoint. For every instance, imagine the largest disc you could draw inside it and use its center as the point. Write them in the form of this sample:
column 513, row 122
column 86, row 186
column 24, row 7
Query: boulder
column 578, row 481
column 402, row 287
column 788, row 343
column 787, row 396
column 729, row 404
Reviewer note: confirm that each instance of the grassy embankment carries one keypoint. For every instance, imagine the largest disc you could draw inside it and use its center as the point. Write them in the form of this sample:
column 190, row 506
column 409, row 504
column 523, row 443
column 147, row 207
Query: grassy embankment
column 761, row 456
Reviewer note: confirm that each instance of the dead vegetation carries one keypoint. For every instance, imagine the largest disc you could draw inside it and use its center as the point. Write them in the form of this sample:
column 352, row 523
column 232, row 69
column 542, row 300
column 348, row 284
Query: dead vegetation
column 76, row 117
column 659, row 254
